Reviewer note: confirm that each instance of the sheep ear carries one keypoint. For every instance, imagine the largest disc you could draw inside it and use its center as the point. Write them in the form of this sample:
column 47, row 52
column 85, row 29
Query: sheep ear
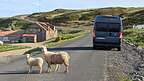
column 42, row 46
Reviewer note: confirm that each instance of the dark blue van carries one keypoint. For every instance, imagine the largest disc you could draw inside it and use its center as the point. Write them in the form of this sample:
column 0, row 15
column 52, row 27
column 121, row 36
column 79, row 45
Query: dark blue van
column 107, row 32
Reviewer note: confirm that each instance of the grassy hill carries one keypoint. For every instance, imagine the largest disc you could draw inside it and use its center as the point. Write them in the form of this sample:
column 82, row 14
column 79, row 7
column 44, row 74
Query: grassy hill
column 136, row 17
column 61, row 15
column 131, row 16
column 13, row 23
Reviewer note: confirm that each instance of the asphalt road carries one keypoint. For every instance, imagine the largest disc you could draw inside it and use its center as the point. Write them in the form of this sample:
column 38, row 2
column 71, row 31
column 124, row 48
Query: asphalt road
column 86, row 65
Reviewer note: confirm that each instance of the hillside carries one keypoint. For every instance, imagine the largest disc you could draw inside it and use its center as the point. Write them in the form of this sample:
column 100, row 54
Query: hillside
column 13, row 24
column 131, row 16
column 136, row 17
column 62, row 15
column 76, row 15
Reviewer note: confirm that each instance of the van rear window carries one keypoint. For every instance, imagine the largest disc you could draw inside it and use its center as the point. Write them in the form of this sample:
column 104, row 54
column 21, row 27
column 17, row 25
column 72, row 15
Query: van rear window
column 108, row 27
column 114, row 27
column 101, row 27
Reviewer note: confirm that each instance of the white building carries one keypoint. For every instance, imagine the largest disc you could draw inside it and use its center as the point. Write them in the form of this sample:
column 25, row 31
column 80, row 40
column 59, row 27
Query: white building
column 138, row 26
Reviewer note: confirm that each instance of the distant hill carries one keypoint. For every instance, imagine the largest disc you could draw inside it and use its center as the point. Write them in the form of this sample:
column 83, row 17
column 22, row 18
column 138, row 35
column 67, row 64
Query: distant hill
column 62, row 15
column 130, row 16
column 13, row 23
column 136, row 17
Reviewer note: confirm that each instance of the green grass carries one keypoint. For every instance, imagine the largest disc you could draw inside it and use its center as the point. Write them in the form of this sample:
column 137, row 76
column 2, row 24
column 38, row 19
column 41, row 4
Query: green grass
column 123, row 78
column 14, row 23
column 135, row 36
column 136, row 17
column 4, row 48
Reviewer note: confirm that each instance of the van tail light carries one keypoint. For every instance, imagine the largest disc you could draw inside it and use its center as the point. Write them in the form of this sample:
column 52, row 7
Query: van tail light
column 94, row 33
column 120, row 34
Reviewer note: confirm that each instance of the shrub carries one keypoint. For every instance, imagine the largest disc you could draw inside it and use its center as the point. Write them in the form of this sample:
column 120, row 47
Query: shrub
column 57, row 39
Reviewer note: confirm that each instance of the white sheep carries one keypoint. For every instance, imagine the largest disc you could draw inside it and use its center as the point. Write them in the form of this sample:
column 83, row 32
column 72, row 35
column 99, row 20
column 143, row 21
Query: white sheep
column 1, row 43
column 56, row 58
column 38, row 61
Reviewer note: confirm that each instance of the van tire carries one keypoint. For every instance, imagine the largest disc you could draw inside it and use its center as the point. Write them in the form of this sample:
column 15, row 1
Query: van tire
column 94, row 47
column 119, row 48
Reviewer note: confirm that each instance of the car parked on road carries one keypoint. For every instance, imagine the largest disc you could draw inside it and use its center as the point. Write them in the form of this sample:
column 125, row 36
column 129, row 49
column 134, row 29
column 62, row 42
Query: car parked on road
column 107, row 32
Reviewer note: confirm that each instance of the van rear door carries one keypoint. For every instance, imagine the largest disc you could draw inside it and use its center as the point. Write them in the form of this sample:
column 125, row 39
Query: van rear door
column 101, row 32
column 107, row 33
column 114, row 31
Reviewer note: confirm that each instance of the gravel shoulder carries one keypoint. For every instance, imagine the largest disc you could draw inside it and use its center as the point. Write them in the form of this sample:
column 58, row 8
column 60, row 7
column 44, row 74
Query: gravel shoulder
column 126, row 65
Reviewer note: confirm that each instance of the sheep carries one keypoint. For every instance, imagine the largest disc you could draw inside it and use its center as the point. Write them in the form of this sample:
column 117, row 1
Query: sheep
column 38, row 61
column 56, row 58
column 1, row 43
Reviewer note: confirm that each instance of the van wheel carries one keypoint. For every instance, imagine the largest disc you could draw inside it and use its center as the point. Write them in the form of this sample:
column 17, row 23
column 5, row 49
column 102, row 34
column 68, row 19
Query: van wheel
column 94, row 47
column 109, row 48
column 119, row 48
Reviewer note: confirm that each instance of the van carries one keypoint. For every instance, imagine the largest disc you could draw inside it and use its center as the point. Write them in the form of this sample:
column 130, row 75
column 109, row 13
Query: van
column 107, row 32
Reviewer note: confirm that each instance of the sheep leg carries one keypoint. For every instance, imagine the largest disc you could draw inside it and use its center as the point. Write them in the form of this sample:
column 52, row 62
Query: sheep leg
column 66, row 67
column 49, row 68
column 57, row 67
column 40, row 69
column 30, row 67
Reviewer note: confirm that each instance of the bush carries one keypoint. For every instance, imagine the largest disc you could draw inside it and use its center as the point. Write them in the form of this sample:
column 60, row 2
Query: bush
column 74, row 31
column 32, row 50
column 66, row 37
column 57, row 39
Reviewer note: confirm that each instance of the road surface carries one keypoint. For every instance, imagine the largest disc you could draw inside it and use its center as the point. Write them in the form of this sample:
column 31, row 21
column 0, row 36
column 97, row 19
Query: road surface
column 86, row 64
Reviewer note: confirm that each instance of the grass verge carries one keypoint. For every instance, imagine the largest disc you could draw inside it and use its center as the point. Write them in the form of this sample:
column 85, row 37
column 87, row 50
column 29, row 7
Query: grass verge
column 134, row 36
column 4, row 48
column 122, row 77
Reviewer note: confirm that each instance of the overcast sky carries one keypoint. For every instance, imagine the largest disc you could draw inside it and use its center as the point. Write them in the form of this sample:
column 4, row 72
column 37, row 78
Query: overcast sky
column 17, row 7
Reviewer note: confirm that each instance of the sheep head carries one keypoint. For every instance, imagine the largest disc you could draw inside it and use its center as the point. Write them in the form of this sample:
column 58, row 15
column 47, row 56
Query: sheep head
column 27, row 56
column 44, row 49
column 43, row 46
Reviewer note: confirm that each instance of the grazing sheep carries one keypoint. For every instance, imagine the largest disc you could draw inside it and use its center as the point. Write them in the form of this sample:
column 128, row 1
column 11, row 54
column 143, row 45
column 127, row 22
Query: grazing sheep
column 56, row 58
column 1, row 43
column 38, row 61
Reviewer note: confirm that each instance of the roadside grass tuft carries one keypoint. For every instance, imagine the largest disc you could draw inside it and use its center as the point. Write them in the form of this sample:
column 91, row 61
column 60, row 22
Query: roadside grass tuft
column 123, row 78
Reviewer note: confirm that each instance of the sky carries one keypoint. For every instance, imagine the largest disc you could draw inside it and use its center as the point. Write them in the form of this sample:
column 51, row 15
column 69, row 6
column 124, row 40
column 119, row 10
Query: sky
column 18, row 7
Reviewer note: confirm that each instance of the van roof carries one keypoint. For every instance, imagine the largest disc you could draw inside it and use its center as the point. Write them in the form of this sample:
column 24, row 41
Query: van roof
column 112, row 19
